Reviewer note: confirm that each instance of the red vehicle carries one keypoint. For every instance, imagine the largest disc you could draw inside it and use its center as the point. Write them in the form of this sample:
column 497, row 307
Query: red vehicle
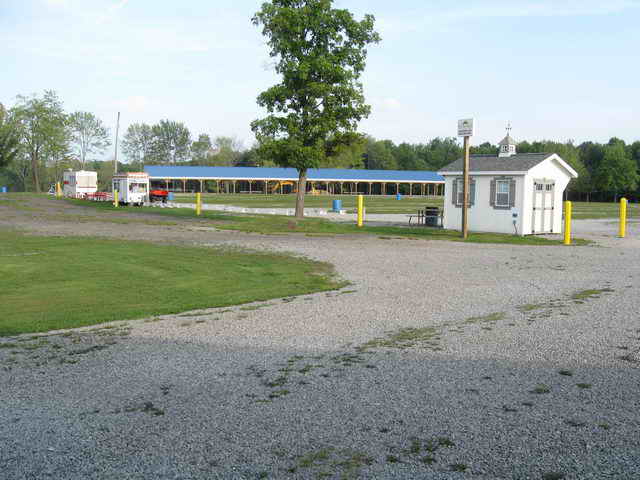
column 158, row 196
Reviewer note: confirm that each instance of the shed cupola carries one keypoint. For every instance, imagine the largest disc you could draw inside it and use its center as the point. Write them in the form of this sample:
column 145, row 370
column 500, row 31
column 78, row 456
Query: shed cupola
column 507, row 145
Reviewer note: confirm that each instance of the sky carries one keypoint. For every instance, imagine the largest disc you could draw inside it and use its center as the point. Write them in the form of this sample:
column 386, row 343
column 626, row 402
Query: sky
column 556, row 69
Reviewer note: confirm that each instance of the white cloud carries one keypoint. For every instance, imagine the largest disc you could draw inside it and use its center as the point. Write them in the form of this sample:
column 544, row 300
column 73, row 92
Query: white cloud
column 389, row 104
column 57, row 3
column 134, row 104
column 555, row 8
column 455, row 13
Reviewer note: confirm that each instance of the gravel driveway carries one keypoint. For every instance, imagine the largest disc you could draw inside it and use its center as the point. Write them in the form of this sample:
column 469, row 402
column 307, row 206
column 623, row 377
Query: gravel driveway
column 440, row 361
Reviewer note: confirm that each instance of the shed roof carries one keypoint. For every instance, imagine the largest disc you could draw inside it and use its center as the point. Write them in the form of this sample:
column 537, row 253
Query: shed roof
column 491, row 163
column 161, row 172
column 508, row 140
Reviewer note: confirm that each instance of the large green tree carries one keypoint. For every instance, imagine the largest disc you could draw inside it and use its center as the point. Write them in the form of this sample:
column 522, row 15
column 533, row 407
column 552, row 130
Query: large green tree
column 320, row 54
column 617, row 172
column 380, row 155
column 9, row 139
column 201, row 149
column 89, row 135
column 138, row 144
column 172, row 141
column 43, row 128
column 351, row 155
column 228, row 151
column 570, row 154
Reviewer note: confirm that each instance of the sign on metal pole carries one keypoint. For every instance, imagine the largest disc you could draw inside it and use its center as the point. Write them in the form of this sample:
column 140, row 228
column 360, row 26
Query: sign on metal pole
column 466, row 127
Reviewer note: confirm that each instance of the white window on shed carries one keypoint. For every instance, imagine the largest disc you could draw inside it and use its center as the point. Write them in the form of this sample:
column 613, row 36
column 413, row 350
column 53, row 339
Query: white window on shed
column 458, row 192
column 503, row 190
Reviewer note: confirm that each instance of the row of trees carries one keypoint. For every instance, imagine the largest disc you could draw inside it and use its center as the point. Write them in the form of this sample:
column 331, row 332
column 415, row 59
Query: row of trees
column 38, row 140
column 605, row 170
column 170, row 142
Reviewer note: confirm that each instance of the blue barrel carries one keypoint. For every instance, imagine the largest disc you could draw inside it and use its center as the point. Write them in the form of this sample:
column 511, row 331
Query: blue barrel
column 337, row 205
column 170, row 196
column 4, row 189
column 399, row 196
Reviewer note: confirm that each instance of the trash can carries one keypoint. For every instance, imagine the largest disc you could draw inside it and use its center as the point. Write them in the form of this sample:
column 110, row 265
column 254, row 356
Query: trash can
column 170, row 196
column 399, row 196
column 3, row 189
column 337, row 205
column 431, row 216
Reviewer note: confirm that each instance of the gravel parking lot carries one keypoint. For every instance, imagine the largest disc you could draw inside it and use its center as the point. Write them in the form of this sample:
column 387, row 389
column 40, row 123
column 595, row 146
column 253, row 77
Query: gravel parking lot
column 440, row 361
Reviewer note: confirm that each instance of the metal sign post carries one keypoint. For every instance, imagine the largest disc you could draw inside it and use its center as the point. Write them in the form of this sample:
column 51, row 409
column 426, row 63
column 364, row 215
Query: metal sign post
column 465, row 129
column 115, row 154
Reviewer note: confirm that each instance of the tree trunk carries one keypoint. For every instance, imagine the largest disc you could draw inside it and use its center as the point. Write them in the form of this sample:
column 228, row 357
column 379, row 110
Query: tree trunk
column 302, row 189
column 34, row 173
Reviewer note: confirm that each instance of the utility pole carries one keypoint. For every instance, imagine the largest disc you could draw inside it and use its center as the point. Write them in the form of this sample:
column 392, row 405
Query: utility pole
column 115, row 155
column 465, row 191
column 466, row 130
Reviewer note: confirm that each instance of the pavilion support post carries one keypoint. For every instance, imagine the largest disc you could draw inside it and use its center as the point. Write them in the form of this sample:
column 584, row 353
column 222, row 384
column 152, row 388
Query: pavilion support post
column 411, row 189
column 341, row 188
column 201, row 185
column 370, row 186
column 166, row 182
column 234, row 187
column 184, row 186
column 266, row 186
column 397, row 188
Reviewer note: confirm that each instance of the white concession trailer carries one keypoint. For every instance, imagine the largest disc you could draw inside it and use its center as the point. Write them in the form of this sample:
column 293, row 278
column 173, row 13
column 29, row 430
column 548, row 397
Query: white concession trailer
column 77, row 184
column 132, row 187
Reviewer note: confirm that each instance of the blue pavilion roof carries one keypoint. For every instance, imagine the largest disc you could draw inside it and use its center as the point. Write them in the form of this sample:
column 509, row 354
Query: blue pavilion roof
column 257, row 173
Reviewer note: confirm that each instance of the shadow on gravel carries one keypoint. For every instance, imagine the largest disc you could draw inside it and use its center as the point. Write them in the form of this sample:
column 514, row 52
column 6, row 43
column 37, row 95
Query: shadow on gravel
column 151, row 408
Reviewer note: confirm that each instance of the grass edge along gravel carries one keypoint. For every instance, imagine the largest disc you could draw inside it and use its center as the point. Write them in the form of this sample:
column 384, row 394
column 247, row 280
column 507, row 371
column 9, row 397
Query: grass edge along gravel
column 278, row 224
column 53, row 283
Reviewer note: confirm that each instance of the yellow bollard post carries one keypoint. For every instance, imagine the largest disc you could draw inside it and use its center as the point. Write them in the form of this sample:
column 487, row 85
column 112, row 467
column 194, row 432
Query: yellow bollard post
column 567, row 223
column 58, row 190
column 623, row 217
column 116, row 201
column 198, row 204
column 360, row 210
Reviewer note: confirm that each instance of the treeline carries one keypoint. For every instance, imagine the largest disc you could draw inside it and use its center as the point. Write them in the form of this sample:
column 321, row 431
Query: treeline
column 605, row 171
column 39, row 140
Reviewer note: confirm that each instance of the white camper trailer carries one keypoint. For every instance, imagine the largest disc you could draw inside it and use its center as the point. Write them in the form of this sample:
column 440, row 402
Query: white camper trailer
column 132, row 187
column 78, row 184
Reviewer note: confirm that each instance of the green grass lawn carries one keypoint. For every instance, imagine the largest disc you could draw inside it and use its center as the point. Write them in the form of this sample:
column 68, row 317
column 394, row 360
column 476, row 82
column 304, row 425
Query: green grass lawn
column 278, row 224
column 49, row 283
column 593, row 210
column 378, row 204
column 373, row 204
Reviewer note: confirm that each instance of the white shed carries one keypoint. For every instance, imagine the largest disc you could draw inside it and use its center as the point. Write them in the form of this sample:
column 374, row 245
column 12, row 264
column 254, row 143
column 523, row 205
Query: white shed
column 509, row 192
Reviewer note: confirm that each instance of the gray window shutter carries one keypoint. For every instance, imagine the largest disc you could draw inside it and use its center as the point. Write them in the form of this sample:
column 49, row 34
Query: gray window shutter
column 454, row 197
column 492, row 193
column 512, row 193
column 472, row 192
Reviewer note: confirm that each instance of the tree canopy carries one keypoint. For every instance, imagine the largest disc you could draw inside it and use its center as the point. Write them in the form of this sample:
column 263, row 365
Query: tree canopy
column 320, row 54
column 9, row 139
column 42, row 126
column 89, row 135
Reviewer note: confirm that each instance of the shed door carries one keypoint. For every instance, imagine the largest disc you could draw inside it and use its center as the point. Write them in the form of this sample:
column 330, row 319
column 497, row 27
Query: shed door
column 543, row 206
